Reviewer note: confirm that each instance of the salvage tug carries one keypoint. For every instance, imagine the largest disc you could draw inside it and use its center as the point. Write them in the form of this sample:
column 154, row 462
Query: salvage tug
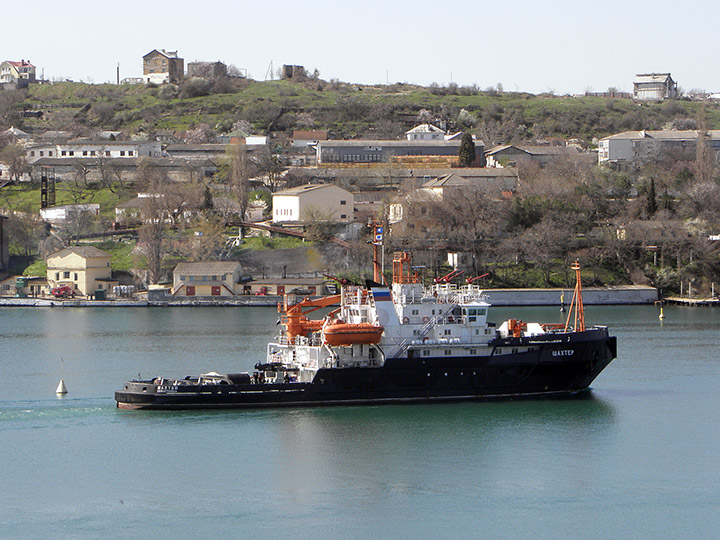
column 403, row 343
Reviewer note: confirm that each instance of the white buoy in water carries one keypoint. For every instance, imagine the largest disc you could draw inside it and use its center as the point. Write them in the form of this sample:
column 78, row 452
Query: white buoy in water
column 61, row 388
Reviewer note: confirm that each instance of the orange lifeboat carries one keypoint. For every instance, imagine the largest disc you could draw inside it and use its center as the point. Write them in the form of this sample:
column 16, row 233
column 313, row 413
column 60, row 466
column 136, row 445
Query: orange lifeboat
column 342, row 333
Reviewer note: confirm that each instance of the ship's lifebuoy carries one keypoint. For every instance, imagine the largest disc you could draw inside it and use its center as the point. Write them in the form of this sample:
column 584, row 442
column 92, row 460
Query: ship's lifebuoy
column 425, row 319
column 405, row 320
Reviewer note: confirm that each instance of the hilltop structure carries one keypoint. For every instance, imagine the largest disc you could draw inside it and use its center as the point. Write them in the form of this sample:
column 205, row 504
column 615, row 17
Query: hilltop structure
column 17, row 75
column 654, row 87
column 161, row 67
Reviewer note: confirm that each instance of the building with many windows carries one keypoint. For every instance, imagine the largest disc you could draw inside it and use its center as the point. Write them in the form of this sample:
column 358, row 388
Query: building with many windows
column 84, row 268
column 654, row 87
column 161, row 66
column 637, row 148
column 95, row 149
column 17, row 74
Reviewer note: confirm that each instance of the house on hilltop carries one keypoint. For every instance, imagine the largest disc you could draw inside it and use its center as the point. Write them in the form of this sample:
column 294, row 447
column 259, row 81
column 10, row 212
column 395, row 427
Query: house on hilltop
column 206, row 70
column 17, row 75
column 654, row 87
column 161, row 67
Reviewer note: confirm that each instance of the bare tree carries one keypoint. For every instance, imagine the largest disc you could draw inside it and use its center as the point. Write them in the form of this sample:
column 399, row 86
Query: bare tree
column 203, row 133
column 14, row 156
column 24, row 233
column 208, row 240
column 77, row 222
column 237, row 168
column 151, row 248
column 469, row 220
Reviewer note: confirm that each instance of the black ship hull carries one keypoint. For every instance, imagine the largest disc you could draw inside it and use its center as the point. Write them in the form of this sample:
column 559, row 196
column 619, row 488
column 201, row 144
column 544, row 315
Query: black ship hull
column 556, row 364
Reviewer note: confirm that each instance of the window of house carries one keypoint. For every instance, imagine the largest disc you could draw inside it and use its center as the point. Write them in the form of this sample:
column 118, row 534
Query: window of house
column 66, row 275
column 426, row 352
column 32, row 153
column 92, row 152
column 107, row 153
column 76, row 277
column 99, row 285
column 343, row 203
column 448, row 332
column 122, row 153
column 63, row 153
column 71, row 152
column 190, row 290
column 130, row 153
column 84, row 152
column 343, row 216
column 57, row 276
column 448, row 352
column 42, row 153
column 50, row 153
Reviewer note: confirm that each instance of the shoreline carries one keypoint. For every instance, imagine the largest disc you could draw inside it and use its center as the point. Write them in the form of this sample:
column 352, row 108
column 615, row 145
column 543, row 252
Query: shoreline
column 617, row 295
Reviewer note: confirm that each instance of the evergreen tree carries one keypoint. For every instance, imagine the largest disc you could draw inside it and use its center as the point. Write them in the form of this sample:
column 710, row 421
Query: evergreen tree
column 207, row 200
column 652, row 205
column 466, row 153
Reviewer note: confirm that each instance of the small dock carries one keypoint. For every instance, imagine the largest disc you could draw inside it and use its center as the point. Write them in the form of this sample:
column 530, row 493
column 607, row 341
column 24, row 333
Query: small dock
column 683, row 301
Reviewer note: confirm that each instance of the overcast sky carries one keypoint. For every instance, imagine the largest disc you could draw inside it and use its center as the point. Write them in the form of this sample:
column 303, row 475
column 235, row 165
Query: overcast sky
column 533, row 46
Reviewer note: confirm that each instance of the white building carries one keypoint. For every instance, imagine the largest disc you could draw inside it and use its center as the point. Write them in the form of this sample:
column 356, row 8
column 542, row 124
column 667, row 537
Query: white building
column 638, row 147
column 90, row 149
column 654, row 87
column 425, row 132
column 326, row 202
column 60, row 214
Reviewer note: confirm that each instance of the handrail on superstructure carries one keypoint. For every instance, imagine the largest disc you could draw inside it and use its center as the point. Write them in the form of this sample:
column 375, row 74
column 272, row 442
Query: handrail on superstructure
column 402, row 262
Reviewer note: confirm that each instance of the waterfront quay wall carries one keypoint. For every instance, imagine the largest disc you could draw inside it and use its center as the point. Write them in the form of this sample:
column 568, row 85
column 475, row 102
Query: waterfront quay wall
column 626, row 295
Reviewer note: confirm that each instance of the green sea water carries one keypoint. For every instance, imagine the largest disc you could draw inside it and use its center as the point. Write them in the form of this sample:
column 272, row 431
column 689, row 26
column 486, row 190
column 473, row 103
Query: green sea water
column 637, row 457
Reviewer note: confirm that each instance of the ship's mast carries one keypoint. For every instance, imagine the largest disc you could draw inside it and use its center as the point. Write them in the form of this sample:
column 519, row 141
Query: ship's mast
column 378, row 276
column 576, row 304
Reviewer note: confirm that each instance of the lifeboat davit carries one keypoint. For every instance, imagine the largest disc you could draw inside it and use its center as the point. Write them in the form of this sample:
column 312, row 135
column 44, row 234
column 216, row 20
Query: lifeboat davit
column 342, row 333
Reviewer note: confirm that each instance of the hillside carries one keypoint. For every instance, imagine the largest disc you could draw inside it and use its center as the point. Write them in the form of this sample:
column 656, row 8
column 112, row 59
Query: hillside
column 347, row 110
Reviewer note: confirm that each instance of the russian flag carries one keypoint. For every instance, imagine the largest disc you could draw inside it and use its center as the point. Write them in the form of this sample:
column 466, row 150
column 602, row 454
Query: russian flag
column 382, row 295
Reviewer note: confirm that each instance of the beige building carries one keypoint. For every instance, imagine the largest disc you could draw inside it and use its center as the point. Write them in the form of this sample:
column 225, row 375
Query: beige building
column 85, row 268
column 211, row 278
column 161, row 66
column 326, row 202
column 16, row 74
